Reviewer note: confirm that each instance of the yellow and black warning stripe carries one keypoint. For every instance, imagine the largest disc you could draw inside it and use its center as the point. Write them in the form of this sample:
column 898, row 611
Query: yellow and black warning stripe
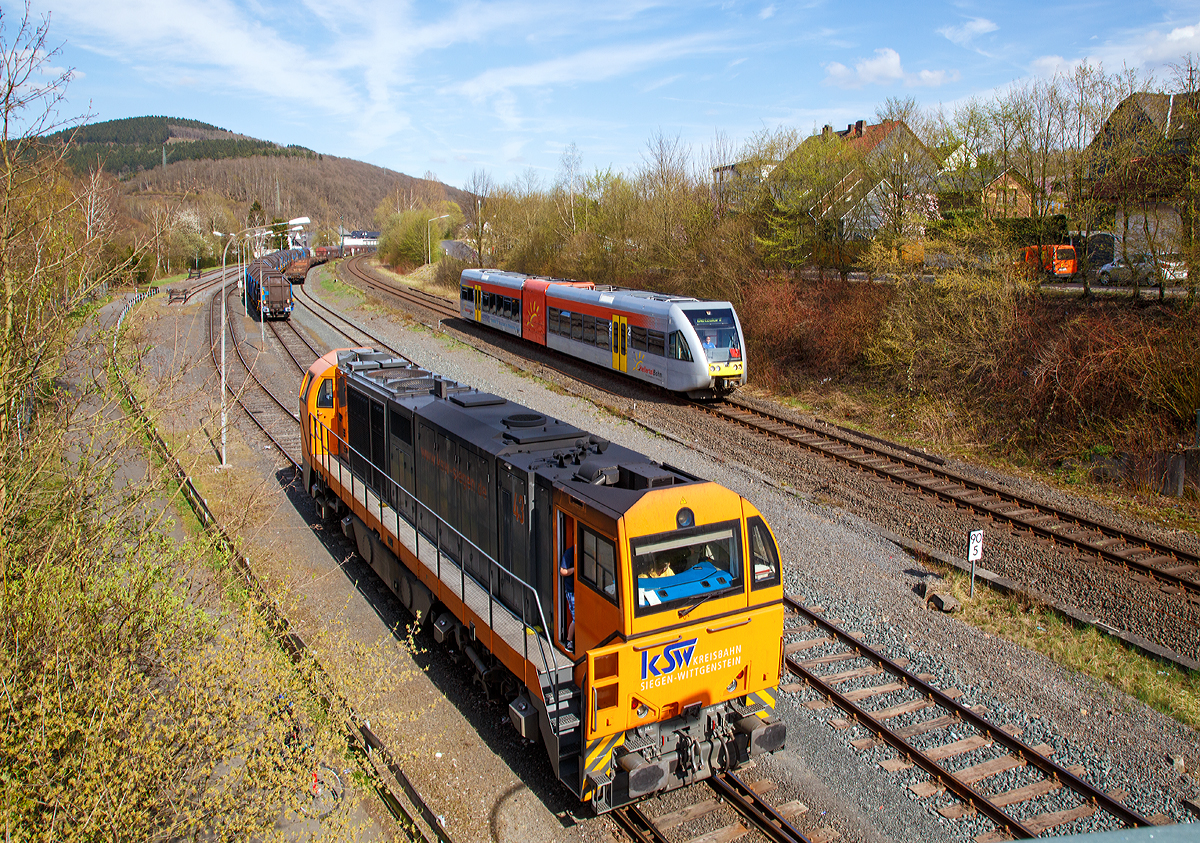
column 599, row 755
column 765, row 699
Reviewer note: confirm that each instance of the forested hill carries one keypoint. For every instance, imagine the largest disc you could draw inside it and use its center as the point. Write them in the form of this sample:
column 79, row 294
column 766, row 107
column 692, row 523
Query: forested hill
column 134, row 144
column 206, row 160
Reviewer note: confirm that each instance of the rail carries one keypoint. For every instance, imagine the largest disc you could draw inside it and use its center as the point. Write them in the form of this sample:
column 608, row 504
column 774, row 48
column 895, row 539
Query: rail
column 956, row 784
column 466, row 586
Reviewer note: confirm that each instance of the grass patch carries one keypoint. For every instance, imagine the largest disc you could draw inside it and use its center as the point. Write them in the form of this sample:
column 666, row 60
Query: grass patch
column 1163, row 687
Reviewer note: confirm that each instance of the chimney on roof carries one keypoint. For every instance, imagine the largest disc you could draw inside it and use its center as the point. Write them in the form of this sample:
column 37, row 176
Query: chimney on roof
column 826, row 131
column 849, row 130
column 858, row 128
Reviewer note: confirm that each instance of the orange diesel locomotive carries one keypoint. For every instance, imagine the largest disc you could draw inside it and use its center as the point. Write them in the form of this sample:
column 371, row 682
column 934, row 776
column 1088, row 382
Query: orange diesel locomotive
column 630, row 612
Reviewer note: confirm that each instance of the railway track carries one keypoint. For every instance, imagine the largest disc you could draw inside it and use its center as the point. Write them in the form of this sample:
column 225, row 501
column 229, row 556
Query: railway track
column 985, row 766
column 302, row 352
column 409, row 296
column 274, row 418
column 352, row 331
column 741, row 802
column 1174, row 570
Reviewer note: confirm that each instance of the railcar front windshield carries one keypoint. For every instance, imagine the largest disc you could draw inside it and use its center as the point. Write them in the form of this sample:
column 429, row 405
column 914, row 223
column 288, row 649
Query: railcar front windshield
column 718, row 333
column 683, row 567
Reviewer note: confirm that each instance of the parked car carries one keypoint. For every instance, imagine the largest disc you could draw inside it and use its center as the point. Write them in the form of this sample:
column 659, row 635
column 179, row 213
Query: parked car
column 1173, row 267
column 1058, row 260
column 1144, row 269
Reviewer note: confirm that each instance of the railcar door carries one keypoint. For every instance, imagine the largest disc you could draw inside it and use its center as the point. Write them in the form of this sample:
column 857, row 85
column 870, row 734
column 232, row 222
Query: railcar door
column 620, row 330
column 478, row 303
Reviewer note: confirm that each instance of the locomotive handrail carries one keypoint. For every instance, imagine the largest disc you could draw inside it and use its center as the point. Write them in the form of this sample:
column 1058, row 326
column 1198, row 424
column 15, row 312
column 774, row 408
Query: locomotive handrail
column 324, row 435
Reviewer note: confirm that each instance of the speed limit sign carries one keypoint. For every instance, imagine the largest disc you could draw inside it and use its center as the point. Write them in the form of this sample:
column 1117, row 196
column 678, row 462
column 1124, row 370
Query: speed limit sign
column 975, row 546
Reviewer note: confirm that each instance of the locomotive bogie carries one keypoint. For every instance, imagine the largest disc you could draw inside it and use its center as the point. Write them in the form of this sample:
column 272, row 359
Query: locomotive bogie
column 630, row 612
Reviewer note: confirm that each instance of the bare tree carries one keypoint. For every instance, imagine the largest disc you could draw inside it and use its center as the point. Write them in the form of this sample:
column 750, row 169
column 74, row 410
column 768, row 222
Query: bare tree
column 481, row 187
column 568, row 187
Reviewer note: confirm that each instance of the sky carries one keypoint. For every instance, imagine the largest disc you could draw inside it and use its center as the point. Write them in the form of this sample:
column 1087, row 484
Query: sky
column 506, row 88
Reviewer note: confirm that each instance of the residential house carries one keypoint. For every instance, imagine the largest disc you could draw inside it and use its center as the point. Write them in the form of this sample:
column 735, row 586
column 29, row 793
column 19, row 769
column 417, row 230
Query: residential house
column 1141, row 169
column 1008, row 195
column 733, row 183
column 883, row 178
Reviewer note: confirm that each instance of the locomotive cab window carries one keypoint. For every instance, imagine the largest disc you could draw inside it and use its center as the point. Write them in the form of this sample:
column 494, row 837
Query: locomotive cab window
column 764, row 555
column 325, row 394
column 598, row 558
column 683, row 567
column 306, row 386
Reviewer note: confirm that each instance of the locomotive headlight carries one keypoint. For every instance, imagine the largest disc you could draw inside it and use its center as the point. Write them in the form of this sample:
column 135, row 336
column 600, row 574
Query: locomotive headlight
column 642, row 711
column 731, row 687
column 685, row 518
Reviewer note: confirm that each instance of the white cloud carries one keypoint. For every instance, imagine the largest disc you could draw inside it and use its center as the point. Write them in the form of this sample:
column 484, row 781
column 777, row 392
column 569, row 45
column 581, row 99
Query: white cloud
column 767, row 13
column 884, row 68
column 592, row 65
column 1047, row 66
column 932, row 78
column 964, row 33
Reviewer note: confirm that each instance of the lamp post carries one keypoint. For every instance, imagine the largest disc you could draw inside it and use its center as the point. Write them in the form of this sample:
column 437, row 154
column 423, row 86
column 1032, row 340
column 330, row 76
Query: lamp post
column 260, row 229
column 428, row 248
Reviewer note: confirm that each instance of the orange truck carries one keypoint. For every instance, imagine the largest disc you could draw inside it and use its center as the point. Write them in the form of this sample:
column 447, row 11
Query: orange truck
column 1057, row 260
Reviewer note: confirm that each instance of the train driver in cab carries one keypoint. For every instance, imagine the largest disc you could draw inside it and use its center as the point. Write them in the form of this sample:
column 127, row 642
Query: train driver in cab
column 566, row 570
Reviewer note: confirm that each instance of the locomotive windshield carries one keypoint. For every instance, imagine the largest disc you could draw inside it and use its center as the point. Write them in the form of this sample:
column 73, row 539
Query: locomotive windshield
column 718, row 333
column 678, row 568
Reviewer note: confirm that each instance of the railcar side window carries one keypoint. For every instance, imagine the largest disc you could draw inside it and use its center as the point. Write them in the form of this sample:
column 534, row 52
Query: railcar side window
column 577, row 326
column 679, row 348
column 552, row 320
column 466, row 294
column 637, row 337
column 656, row 343
column 764, row 556
column 603, row 330
column 325, row 394
column 589, row 330
column 599, row 568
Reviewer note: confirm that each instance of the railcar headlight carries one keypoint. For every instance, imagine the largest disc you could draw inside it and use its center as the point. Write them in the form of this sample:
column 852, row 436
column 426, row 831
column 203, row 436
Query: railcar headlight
column 685, row 518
